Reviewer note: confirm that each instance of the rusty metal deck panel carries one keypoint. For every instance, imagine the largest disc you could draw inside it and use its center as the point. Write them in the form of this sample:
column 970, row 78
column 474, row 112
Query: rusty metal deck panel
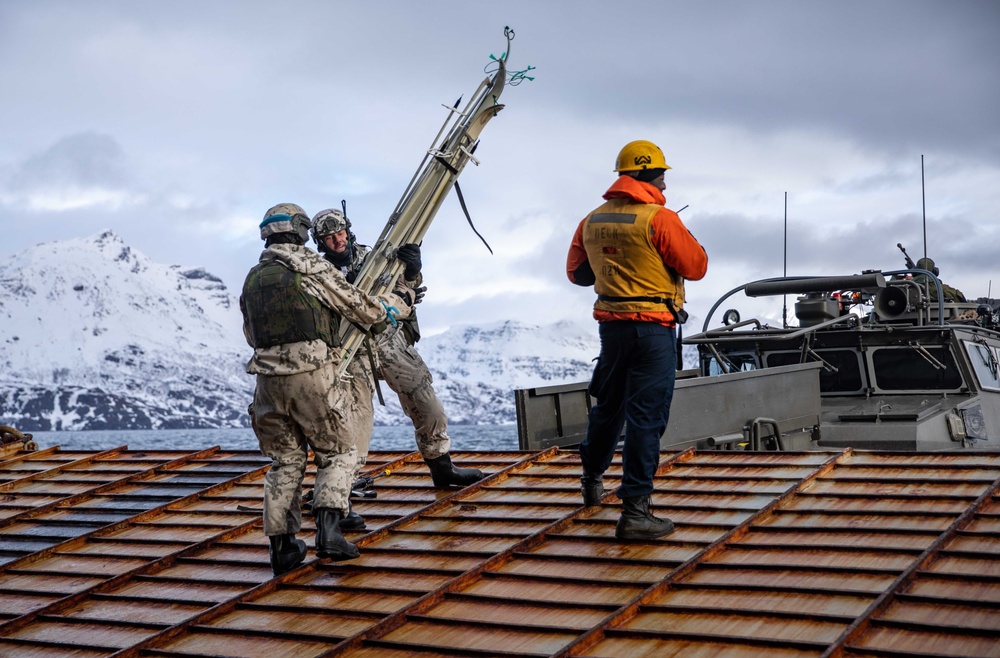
column 131, row 553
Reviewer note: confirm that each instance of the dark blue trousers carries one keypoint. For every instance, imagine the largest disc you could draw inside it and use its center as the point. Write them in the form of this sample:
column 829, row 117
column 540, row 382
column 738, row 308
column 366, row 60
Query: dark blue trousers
column 633, row 385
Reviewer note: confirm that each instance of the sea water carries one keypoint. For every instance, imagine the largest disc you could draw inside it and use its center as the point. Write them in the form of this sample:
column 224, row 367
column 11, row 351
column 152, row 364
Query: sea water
column 399, row 437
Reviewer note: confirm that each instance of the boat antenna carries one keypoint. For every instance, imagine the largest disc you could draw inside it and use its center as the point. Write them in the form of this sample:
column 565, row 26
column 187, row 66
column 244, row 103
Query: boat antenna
column 784, row 272
column 923, row 201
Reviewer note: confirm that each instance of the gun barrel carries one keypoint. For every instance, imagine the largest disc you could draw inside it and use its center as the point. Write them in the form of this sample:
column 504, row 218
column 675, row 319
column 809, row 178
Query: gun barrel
column 909, row 261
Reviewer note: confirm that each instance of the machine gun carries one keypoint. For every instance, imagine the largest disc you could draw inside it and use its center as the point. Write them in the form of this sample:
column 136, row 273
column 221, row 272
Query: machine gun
column 909, row 261
column 436, row 175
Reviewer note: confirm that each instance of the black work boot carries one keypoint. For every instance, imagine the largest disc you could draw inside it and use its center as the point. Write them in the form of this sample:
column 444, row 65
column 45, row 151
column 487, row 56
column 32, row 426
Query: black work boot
column 287, row 552
column 592, row 488
column 329, row 542
column 637, row 522
column 353, row 520
column 445, row 474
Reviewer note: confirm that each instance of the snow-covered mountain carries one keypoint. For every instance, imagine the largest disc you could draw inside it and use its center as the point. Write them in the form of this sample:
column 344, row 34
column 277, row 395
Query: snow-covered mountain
column 94, row 335
column 476, row 368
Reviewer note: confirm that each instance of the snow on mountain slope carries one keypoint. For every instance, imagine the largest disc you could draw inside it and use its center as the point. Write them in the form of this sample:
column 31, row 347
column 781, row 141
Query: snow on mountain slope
column 94, row 335
column 476, row 368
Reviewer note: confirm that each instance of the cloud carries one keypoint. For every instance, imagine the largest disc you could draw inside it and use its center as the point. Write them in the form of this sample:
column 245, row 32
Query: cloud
column 852, row 69
column 86, row 170
column 177, row 124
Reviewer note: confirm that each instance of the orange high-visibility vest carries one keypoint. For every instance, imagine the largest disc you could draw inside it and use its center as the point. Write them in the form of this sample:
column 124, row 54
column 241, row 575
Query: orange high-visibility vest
column 630, row 273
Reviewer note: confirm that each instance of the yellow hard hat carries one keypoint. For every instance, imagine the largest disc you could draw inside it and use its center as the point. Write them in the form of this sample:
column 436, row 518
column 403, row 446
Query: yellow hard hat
column 639, row 155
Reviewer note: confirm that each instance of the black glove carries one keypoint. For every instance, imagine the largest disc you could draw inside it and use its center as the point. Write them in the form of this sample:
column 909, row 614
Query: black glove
column 405, row 296
column 409, row 254
column 419, row 292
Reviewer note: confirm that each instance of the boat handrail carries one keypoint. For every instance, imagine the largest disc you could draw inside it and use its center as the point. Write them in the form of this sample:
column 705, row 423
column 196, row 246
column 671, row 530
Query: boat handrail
column 872, row 282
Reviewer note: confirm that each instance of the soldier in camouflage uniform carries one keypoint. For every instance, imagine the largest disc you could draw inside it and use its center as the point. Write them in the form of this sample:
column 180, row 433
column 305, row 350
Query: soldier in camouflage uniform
column 292, row 303
column 399, row 363
column 950, row 294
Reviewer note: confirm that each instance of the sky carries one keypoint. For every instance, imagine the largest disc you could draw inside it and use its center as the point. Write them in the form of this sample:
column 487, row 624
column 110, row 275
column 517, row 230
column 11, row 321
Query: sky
column 178, row 124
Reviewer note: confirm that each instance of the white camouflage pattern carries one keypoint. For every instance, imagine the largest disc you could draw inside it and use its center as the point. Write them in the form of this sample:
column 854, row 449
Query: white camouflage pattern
column 403, row 369
column 299, row 404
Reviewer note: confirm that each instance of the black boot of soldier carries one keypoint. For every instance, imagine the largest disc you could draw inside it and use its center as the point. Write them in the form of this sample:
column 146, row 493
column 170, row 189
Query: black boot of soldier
column 637, row 522
column 287, row 552
column 329, row 542
column 592, row 488
column 445, row 474
column 353, row 520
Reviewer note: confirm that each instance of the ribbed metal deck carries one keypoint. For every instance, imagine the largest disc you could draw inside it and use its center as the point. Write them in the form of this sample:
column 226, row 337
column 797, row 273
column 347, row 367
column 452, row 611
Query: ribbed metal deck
column 127, row 553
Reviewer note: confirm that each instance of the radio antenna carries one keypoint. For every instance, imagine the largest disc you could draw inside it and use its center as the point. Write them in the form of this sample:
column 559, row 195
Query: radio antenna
column 923, row 201
column 784, row 271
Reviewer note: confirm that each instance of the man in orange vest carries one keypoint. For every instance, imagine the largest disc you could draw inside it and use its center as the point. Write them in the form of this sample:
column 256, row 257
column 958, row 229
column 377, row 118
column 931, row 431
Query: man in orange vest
column 636, row 254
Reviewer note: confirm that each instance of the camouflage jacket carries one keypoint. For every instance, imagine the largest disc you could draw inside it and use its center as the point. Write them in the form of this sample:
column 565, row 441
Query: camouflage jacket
column 409, row 326
column 323, row 281
column 951, row 294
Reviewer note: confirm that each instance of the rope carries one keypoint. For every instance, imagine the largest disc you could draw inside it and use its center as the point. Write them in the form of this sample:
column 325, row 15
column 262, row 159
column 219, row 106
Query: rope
column 514, row 78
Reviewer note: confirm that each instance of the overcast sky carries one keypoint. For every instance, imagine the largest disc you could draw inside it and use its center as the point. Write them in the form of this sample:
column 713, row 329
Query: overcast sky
column 177, row 124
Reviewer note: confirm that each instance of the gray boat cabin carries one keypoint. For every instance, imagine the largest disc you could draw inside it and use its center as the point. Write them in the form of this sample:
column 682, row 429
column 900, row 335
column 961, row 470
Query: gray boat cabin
column 877, row 360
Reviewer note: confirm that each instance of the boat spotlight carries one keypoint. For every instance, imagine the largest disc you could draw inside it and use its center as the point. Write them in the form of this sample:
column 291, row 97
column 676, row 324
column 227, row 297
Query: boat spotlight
column 732, row 316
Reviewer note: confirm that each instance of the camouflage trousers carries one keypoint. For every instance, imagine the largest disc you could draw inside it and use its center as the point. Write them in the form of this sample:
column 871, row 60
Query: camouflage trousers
column 293, row 413
column 407, row 375
column 360, row 386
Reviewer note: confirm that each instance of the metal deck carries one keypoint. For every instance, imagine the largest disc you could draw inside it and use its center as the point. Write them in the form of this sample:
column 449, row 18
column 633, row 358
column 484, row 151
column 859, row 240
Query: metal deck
column 129, row 553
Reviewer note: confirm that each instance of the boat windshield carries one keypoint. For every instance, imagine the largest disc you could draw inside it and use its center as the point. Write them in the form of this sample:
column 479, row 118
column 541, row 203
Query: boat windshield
column 842, row 372
column 907, row 368
column 986, row 364
column 736, row 362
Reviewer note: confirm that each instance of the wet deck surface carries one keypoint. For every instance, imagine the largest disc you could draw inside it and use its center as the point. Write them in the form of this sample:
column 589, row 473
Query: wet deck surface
column 130, row 553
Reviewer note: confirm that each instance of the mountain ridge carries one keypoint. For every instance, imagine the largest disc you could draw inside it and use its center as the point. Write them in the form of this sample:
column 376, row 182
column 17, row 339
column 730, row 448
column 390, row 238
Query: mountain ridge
column 97, row 336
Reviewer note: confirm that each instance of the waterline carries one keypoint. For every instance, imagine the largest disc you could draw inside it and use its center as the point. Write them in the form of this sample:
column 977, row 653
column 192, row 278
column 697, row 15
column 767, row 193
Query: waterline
column 400, row 437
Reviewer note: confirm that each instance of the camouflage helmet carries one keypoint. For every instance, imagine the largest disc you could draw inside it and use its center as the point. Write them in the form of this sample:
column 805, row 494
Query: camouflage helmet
column 927, row 264
column 327, row 222
column 285, row 218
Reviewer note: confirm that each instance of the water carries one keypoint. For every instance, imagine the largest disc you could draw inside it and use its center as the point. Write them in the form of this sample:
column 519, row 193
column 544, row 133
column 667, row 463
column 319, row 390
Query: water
column 463, row 437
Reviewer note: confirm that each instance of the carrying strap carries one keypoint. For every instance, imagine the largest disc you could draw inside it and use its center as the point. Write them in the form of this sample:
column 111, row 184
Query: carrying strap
column 680, row 315
column 369, row 337
column 680, row 348
column 371, row 362
column 655, row 300
column 461, row 199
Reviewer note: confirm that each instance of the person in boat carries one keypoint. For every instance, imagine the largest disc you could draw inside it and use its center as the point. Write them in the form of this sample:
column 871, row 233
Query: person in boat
column 292, row 303
column 398, row 361
column 637, row 254
column 950, row 294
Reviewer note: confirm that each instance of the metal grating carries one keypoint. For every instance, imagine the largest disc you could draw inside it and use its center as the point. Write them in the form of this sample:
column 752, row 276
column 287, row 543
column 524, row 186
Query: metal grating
column 841, row 553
